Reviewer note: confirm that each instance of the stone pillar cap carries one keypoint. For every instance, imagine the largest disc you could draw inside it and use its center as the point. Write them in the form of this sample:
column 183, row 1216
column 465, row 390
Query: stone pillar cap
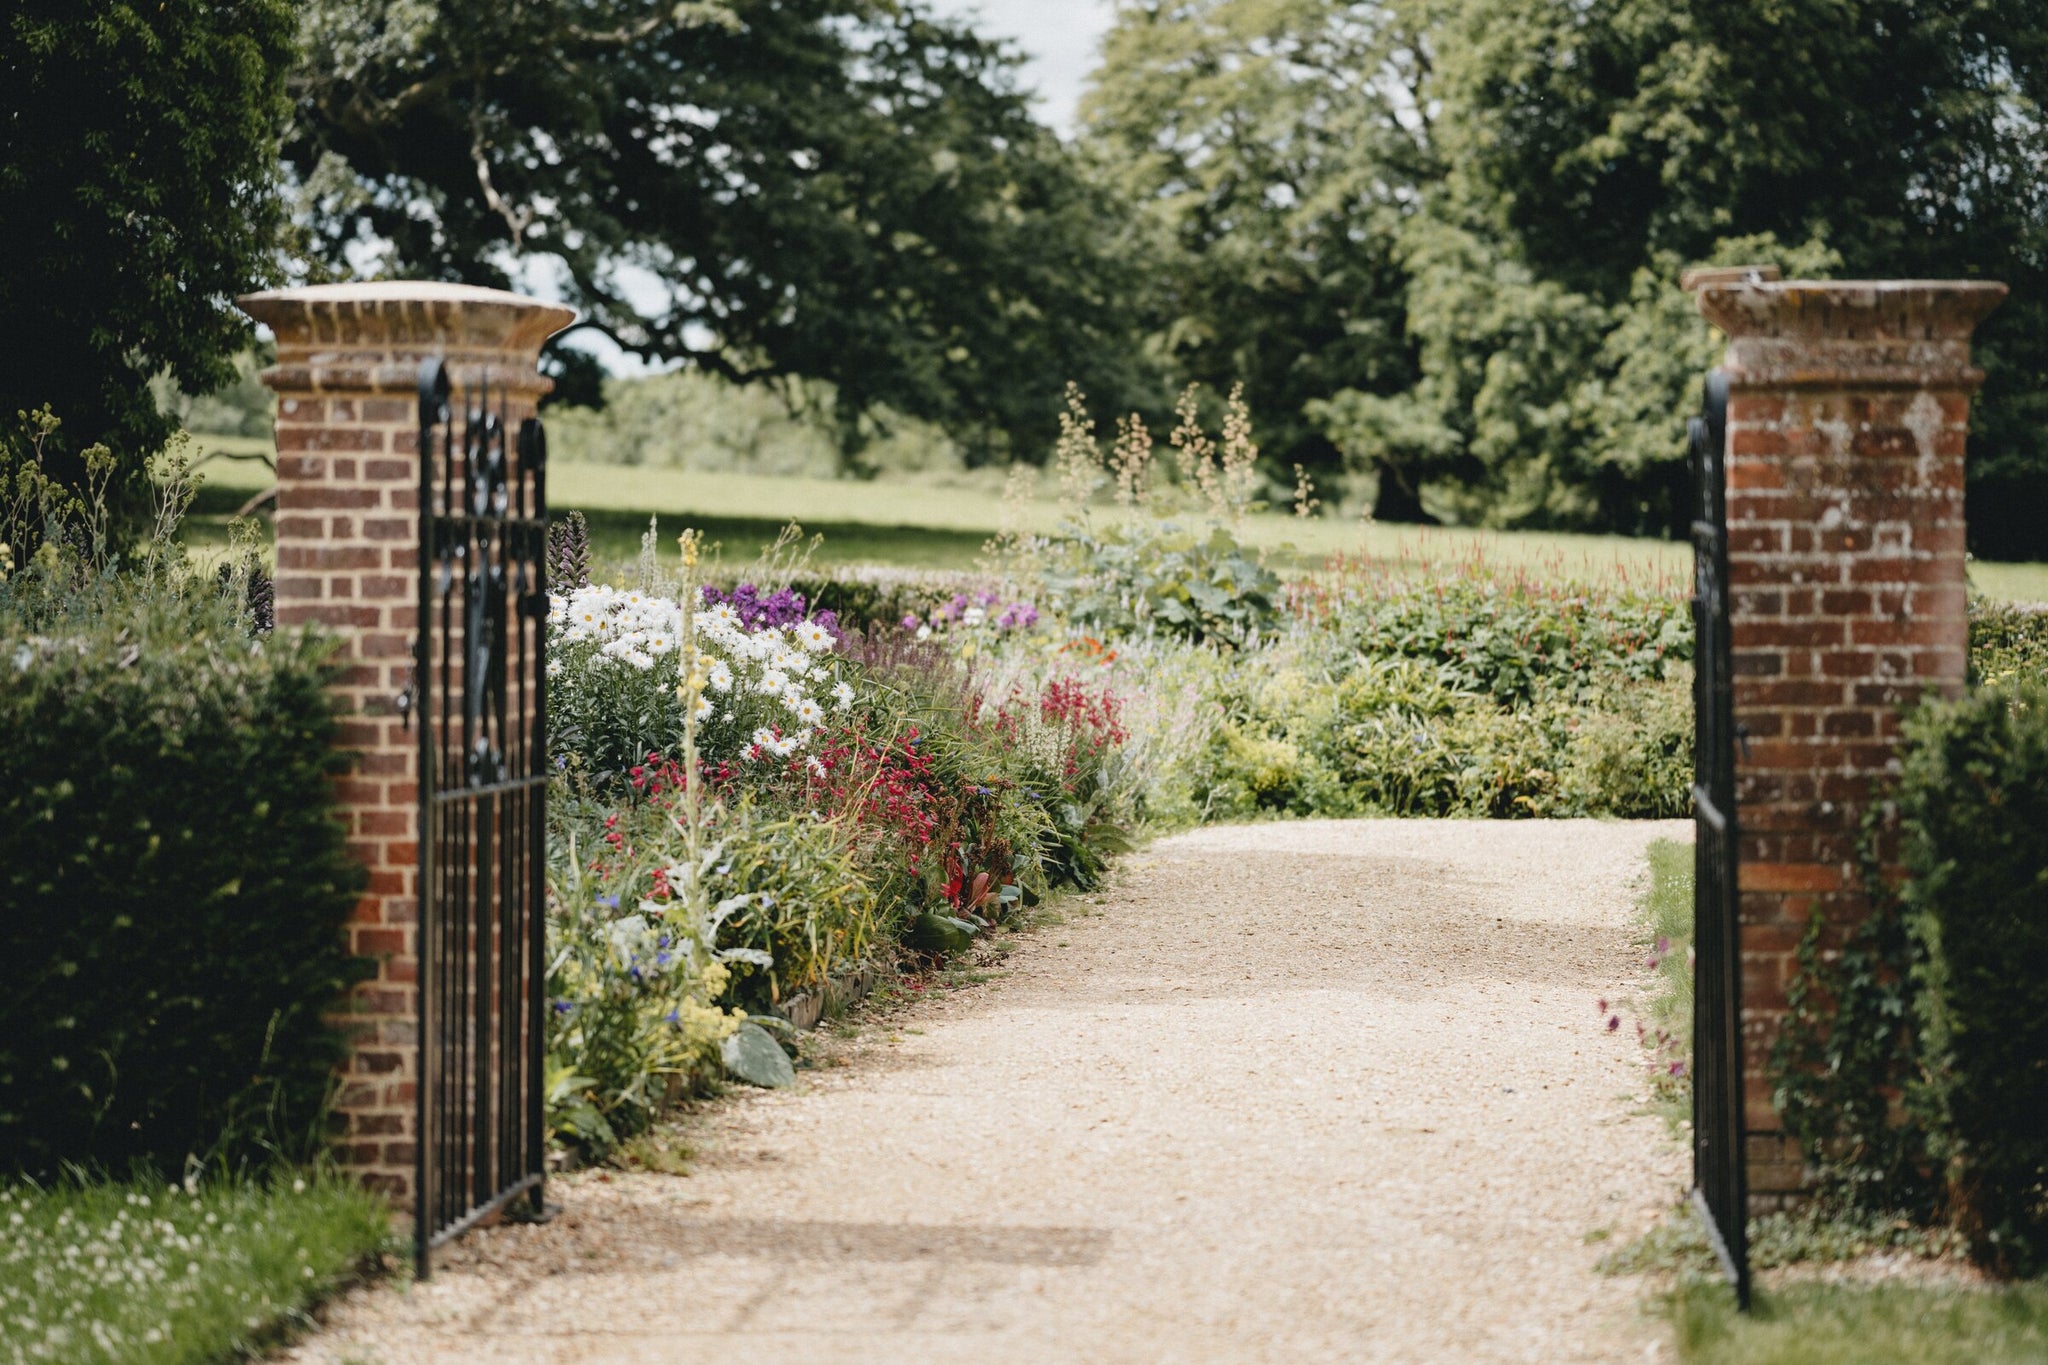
column 406, row 312
column 1850, row 310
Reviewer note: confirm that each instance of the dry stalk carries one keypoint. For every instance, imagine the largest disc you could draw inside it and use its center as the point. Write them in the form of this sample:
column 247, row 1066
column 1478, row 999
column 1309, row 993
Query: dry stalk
column 1132, row 461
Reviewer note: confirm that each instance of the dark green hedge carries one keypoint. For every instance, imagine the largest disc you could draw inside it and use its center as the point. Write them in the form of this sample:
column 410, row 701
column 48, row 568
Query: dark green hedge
column 1973, row 800
column 173, row 887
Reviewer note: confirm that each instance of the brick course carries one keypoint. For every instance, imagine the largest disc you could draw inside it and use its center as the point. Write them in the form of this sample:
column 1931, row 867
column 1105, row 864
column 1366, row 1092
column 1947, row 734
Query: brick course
column 1848, row 410
column 346, row 377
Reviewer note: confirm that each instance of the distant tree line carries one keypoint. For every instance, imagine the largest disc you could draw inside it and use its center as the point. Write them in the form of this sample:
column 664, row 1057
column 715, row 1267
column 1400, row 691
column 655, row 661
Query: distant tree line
column 1438, row 240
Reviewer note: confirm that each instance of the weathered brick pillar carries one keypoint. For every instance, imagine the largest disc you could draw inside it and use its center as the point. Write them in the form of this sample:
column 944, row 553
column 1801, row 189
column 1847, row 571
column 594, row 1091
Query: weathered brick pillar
column 1848, row 407
column 348, row 359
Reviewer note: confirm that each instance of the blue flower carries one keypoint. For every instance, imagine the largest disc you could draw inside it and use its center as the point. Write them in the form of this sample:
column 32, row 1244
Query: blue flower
column 611, row 901
column 564, row 1006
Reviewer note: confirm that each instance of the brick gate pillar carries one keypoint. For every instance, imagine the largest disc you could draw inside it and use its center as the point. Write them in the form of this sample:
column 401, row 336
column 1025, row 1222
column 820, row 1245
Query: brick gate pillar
column 347, row 372
column 1848, row 407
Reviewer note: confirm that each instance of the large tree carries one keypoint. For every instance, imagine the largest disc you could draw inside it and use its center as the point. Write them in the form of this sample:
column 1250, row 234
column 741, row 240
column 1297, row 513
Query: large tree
column 1276, row 148
column 1594, row 150
column 138, row 173
column 849, row 190
column 1449, row 232
column 1602, row 146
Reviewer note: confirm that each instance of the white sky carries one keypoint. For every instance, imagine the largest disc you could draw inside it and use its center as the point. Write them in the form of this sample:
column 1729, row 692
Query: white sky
column 1060, row 37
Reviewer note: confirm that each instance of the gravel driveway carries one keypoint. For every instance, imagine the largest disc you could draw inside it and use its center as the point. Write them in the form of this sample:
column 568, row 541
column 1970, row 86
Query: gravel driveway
column 1288, row 1092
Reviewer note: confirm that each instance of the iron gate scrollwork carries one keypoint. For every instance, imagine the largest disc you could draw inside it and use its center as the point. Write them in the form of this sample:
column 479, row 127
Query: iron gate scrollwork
column 1720, row 1184
column 479, row 693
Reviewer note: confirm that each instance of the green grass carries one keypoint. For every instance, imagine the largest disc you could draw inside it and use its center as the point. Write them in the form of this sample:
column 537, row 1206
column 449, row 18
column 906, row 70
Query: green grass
column 1864, row 1325
column 942, row 522
column 1666, row 1013
column 139, row 1270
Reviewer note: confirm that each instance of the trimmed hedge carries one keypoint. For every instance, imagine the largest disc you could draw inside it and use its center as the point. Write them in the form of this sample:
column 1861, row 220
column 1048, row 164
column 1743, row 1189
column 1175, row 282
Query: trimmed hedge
column 1973, row 799
column 173, row 887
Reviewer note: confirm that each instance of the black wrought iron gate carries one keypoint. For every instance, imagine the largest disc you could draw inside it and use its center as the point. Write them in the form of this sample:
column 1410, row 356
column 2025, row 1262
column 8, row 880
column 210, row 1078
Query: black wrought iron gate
column 480, row 696
column 1720, row 1186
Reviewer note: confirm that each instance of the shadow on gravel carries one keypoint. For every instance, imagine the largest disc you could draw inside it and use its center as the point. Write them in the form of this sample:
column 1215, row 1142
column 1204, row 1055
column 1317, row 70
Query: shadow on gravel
column 802, row 1240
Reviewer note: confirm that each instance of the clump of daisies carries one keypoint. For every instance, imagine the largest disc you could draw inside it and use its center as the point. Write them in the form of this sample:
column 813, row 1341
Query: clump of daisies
column 617, row 664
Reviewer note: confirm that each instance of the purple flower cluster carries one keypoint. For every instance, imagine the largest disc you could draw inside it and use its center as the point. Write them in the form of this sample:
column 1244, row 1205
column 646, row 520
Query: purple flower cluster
column 977, row 609
column 759, row 611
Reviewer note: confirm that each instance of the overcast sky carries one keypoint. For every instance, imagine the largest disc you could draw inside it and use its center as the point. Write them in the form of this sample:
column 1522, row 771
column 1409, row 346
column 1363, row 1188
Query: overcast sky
column 1059, row 35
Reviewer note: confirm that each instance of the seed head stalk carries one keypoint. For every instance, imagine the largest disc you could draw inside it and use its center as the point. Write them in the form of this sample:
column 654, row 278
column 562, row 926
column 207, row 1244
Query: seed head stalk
column 691, row 690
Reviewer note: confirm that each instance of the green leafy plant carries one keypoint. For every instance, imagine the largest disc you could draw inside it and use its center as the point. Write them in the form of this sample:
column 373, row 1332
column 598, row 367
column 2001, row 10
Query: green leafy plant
column 173, row 882
column 632, row 1023
column 1144, row 577
column 1973, row 807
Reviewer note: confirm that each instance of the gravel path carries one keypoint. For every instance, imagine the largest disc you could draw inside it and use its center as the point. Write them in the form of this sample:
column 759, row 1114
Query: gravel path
column 1289, row 1092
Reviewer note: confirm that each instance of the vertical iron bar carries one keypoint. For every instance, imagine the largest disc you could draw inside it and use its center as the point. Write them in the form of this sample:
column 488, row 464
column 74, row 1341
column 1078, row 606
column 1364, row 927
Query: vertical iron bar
column 433, row 408
column 1720, row 1183
column 534, row 455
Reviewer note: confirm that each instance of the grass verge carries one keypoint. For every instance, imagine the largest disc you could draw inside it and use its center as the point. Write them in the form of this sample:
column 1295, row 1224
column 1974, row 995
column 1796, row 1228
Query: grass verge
column 942, row 523
column 1847, row 1324
column 130, row 1270
column 1664, row 1021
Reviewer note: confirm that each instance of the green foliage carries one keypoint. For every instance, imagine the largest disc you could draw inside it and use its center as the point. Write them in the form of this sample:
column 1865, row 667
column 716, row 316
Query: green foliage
column 1677, row 1244
column 630, row 986
column 1973, row 803
column 1445, row 236
column 698, row 421
column 1935, row 995
column 849, row 190
column 1269, row 150
column 172, row 880
column 2008, row 643
column 105, row 1273
column 138, row 178
column 1469, row 695
column 1846, row 1048
column 1507, row 639
column 1140, row 576
column 808, row 911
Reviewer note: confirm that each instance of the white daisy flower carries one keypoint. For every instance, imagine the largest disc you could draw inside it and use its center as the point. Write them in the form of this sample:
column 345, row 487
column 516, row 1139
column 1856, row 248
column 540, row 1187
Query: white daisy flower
column 640, row 659
column 719, row 675
column 973, row 616
column 842, row 694
column 790, row 662
column 554, row 668
column 703, row 708
column 775, row 682
column 816, row 766
column 765, row 737
column 720, row 615
column 807, row 711
column 813, row 636
column 658, row 644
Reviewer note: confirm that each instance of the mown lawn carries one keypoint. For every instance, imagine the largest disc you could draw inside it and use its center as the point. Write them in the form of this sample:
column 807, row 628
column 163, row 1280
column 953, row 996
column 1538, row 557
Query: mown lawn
column 140, row 1270
column 1830, row 1324
column 943, row 524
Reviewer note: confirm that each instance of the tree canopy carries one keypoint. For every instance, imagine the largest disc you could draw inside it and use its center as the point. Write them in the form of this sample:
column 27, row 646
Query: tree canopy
column 1439, row 240
column 137, row 197
column 1274, row 150
column 849, row 190
column 1488, row 316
